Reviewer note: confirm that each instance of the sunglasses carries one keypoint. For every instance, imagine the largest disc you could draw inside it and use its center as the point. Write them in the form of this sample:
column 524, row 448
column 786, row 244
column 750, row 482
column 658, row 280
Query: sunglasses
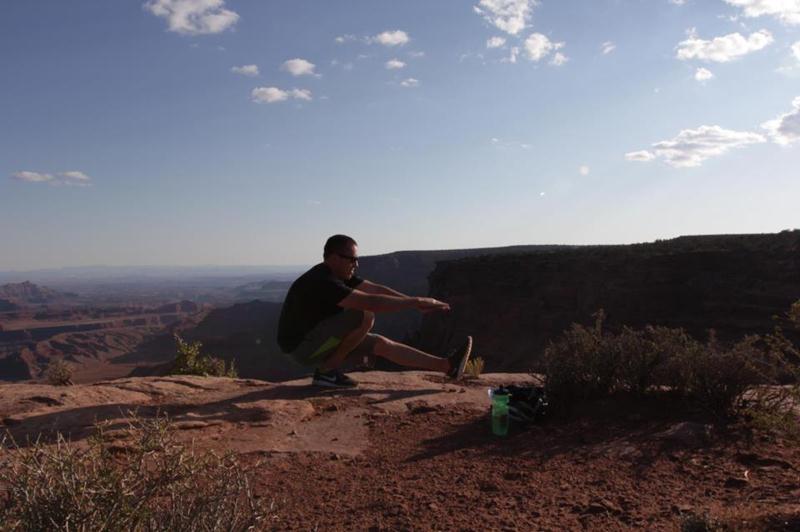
column 352, row 259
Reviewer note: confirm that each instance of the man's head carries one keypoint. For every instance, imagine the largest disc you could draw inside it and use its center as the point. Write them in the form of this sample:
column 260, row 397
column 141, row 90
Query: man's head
column 341, row 256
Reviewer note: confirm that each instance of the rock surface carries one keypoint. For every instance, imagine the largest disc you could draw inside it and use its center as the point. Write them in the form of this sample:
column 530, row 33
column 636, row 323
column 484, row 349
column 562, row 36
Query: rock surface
column 414, row 451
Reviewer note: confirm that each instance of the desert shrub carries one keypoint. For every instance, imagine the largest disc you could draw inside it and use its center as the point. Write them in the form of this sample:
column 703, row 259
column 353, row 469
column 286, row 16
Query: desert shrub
column 580, row 365
column 474, row 367
column 190, row 361
column 726, row 381
column 58, row 373
column 150, row 483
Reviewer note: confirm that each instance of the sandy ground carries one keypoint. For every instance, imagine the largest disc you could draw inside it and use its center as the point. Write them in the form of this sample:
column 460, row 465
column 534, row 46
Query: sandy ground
column 412, row 451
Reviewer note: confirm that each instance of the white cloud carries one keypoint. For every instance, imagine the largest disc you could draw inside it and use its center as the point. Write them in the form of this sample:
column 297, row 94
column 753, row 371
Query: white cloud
column 510, row 16
column 693, row 146
column 584, row 170
column 608, row 47
column 787, row 11
column 416, row 54
column 703, row 74
column 722, row 49
column 512, row 55
column 640, row 156
column 559, row 59
column 410, row 83
column 301, row 94
column 70, row 178
column 495, row 42
column 73, row 178
column 299, row 67
column 796, row 50
column 785, row 129
column 677, row 2
column 246, row 70
column 275, row 95
column 391, row 38
column 32, row 177
column 538, row 46
column 345, row 38
column 193, row 17
column 395, row 64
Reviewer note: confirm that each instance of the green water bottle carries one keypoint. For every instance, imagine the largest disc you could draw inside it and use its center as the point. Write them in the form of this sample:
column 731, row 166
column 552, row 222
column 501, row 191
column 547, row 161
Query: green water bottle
column 500, row 412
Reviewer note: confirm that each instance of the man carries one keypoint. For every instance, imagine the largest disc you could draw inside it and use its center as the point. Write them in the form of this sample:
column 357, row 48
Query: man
column 329, row 312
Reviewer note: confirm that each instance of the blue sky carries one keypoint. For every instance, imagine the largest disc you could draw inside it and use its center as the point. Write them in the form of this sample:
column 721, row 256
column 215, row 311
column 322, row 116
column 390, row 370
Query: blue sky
column 185, row 132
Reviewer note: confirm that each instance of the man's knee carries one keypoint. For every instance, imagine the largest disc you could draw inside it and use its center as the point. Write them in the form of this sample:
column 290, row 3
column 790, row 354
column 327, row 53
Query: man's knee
column 382, row 343
column 368, row 321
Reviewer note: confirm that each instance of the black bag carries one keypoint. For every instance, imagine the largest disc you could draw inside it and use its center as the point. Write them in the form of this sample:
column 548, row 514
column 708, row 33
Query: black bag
column 527, row 405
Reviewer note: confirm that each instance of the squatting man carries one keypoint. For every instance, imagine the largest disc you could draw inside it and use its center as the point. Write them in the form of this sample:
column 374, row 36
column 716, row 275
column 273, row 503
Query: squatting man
column 329, row 312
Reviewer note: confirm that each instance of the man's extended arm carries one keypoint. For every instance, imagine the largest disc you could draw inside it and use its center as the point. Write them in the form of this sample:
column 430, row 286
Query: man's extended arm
column 361, row 300
column 375, row 288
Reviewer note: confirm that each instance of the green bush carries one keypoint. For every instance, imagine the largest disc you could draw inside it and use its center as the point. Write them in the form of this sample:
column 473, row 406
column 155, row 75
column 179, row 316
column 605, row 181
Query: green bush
column 190, row 361
column 152, row 483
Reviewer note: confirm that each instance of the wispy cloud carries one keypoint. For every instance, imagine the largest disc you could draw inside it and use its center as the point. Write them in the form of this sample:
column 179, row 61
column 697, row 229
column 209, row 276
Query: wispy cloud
column 410, row 83
column 693, row 146
column 299, row 67
column 495, row 42
column 510, row 16
column 785, row 129
column 584, row 170
column 538, row 46
column 193, row 17
column 341, row 39
column 703, row 74
column 276, row 95
column 246, row 70
column 787, row 11
column 391, row 38
column 70, row 178
column 641, row 156
column 722, row 49
column 608, row 47
column 394, row 64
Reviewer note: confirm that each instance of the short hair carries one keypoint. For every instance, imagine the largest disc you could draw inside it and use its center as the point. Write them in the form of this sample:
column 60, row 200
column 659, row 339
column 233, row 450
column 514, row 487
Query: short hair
column 337, row 244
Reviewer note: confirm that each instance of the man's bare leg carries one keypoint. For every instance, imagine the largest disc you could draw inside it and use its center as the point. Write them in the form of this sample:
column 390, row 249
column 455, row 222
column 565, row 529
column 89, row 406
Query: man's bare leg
column 405, row 355
column 349, row 342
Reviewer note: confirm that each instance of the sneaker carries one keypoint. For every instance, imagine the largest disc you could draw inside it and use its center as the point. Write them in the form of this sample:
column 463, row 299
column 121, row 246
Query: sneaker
column 459, row 358
column 333, row 379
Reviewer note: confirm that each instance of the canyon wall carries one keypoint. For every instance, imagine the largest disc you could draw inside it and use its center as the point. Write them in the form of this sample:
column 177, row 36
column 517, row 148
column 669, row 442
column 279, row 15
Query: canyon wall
column 513, row 305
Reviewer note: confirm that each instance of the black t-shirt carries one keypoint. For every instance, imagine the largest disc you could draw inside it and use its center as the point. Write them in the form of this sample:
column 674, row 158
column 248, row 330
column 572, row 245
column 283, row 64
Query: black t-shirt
column 313, row 297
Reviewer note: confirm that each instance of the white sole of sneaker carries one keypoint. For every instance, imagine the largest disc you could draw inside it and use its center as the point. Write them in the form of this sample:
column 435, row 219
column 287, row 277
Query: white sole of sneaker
column 463, row 364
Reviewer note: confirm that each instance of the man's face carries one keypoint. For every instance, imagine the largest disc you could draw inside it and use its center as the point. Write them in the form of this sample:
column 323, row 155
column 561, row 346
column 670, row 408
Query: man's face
column 344, row 264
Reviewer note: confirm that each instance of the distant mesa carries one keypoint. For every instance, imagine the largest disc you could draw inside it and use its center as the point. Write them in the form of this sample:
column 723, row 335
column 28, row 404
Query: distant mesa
column 27, row 293
column 186, row 307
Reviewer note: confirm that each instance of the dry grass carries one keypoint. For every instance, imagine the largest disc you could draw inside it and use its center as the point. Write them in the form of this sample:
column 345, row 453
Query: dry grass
column 474, row 368
column 137, row 479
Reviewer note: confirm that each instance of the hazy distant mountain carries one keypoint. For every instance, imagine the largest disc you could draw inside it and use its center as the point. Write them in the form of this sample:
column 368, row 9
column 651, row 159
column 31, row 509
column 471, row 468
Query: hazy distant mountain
column 29, row 293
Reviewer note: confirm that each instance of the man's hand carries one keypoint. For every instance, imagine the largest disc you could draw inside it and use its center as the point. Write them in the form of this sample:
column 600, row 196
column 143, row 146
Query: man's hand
column 428, row 304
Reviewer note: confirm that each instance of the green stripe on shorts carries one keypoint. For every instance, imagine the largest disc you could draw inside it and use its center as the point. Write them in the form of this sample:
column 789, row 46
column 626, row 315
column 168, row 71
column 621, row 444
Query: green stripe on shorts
column 327, row 345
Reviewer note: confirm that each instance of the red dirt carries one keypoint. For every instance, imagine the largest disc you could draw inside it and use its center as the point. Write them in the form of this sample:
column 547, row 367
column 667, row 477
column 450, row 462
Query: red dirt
column 411, row 451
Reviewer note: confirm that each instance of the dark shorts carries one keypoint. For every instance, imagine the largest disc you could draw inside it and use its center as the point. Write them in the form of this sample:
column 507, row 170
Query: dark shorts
column 323, row 339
